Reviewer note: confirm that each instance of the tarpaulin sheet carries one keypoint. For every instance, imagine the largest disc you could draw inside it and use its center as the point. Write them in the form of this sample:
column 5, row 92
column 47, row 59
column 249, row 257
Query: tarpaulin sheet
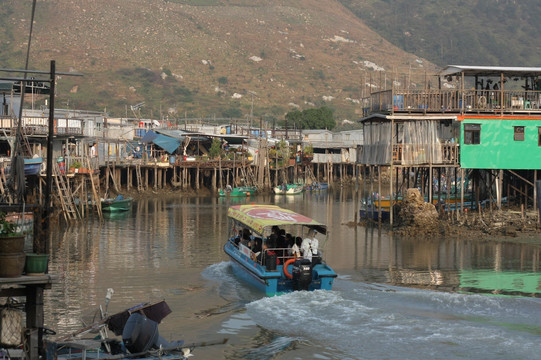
column 167, row 143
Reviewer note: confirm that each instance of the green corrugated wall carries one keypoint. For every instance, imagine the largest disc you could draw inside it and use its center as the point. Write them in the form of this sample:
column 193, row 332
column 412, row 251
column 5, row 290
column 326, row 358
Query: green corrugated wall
column 497, row 149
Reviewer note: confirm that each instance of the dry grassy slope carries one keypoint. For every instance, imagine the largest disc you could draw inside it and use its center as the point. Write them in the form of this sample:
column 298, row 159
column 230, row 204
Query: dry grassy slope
column 308, row 49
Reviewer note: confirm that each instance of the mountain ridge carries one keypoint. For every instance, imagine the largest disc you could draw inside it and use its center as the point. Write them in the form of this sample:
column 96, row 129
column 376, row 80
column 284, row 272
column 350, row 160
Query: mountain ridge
column 186, row 59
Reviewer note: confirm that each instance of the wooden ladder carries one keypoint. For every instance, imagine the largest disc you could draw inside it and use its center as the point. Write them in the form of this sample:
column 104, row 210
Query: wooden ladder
column 4, row 190
column 95, row 192
column 69, row 209
column 139, row 178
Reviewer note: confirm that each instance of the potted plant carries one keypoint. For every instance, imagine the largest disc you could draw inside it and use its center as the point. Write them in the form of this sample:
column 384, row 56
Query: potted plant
column 75, row 166
column 12, row 256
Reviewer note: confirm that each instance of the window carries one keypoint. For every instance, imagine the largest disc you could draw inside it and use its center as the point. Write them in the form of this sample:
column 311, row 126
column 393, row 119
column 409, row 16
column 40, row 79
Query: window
column 519, row 133
column 472, row 134
column 539, row 136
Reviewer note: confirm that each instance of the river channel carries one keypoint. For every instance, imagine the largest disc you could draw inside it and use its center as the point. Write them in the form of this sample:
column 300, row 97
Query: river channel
column 394, row 298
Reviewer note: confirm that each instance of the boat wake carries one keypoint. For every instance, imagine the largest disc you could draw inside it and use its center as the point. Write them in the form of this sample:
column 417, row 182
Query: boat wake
column 229, row 287
column 378, row 320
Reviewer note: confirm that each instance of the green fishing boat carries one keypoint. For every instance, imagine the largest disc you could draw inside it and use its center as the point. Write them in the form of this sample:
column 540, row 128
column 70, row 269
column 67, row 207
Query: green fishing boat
column 120, row 203
column 238, row 191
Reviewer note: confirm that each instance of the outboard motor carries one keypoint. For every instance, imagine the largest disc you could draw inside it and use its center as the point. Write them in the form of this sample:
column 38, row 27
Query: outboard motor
column 141, row 334
column 302, row 274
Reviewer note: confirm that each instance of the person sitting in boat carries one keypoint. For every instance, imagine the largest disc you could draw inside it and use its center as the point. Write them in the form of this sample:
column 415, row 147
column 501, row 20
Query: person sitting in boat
column 296, row 247
column 228, row 188
column 246, row 237
column 256, row 248
column 268, row 250
column 238, row 238
column 316, row 254
column 290, row 241
column 281, row 244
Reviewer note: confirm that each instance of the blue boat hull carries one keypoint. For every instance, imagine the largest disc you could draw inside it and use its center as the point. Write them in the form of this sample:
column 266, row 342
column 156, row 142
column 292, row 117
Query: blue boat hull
column 374, row 214
column 274, row 282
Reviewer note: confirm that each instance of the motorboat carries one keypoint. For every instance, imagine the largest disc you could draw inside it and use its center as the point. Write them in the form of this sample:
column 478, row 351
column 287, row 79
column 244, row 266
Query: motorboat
column 276, row 270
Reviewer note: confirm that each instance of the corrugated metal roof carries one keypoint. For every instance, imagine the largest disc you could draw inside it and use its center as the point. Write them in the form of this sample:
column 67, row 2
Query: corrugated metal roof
column 490, row 70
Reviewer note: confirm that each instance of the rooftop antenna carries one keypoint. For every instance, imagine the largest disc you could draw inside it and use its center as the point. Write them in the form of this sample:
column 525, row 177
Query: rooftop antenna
column 137, row 107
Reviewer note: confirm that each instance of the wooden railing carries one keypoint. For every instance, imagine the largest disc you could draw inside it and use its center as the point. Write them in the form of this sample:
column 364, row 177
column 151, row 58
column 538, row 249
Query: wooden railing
column 417, row 154
column 458, row 101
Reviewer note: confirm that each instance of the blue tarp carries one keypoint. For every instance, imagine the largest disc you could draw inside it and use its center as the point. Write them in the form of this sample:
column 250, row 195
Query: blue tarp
column 167, row 143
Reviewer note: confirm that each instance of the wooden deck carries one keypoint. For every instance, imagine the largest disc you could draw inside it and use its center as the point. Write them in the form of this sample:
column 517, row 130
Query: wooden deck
column 454, row 101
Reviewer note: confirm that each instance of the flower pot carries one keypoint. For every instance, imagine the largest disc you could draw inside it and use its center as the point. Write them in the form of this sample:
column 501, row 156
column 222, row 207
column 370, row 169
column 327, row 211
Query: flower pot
column 36, row 264
column 11, row 265
column 11, row 244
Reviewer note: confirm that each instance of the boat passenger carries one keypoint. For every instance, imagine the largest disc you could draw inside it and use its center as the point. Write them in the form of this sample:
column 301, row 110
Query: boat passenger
column 290, row 241
column 268, row 249
column 281, row 244
column 238, row 238
column 246, row 237
column 296, row 248
column 316, row 254
column 306, row 246
column 257, row 248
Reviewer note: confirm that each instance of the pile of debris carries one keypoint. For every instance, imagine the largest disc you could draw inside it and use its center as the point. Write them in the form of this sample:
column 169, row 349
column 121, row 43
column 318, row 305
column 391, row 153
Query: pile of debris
column 416, row 216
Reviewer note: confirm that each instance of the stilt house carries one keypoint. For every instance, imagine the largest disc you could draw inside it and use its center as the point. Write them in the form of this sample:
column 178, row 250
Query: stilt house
column 492, row 114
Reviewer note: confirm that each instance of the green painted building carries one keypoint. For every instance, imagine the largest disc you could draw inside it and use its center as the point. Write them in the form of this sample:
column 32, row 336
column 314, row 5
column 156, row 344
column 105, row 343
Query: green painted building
column 495, row 142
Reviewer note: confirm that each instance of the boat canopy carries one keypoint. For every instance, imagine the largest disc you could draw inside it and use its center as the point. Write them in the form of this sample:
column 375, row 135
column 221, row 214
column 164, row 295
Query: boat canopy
column 259, row 217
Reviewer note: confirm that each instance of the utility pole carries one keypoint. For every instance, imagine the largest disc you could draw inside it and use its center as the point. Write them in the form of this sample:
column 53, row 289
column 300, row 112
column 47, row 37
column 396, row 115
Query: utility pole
column 251, row 111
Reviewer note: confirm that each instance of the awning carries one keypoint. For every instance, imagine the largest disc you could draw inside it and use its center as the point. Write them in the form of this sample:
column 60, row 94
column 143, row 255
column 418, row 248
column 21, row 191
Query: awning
column 167, row 143
column 259, row 217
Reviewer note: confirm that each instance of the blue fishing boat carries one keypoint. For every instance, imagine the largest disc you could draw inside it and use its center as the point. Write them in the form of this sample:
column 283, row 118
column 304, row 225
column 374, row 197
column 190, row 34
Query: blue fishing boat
column 373, row 213
column 32, row 166
column 271, row 269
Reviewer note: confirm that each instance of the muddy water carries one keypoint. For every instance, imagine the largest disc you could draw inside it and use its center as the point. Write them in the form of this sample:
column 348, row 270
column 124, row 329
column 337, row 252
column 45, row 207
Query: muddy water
column 394, row 298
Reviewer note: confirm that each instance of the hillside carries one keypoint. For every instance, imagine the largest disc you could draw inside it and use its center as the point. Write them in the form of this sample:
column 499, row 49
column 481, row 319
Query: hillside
column 473, row 32
column 200, row 58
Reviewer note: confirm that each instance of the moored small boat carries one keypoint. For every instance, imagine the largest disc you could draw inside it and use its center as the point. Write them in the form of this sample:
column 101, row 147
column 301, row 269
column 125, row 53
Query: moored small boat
column 32, row 166
column 289, row 189
column 317, row 186
column 276, row 269
column 238, row 191
column 120, row 203
column 373, row 213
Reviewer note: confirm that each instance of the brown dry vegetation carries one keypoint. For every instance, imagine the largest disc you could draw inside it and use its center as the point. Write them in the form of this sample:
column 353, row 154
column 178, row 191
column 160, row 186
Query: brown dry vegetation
column 308, row 49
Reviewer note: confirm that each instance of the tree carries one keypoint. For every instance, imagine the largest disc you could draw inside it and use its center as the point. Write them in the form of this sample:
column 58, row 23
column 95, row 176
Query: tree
column 215, row 149
column 232, row 112
column 320, row 118
column 294, row 118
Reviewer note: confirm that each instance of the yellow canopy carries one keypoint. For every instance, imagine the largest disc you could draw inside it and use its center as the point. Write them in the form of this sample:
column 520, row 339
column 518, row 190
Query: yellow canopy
column 258, row 217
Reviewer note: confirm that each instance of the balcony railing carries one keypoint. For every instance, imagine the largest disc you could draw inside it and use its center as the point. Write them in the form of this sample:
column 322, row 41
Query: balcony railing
column 39, row 126
column 456, row 101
